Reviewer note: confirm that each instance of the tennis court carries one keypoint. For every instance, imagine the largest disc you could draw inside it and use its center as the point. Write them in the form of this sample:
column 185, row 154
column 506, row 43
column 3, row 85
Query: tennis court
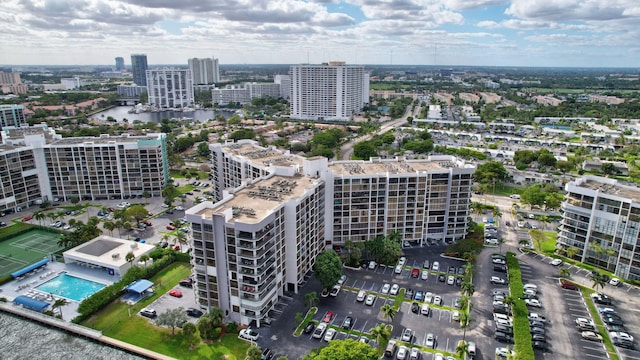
column 25, row 249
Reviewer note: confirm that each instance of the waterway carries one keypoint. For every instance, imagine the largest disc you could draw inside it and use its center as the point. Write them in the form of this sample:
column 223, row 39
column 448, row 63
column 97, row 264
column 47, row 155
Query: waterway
column 122, row 112
column 24, row 339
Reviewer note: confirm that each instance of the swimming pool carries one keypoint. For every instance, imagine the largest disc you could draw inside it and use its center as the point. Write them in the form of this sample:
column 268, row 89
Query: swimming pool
column 70, row 287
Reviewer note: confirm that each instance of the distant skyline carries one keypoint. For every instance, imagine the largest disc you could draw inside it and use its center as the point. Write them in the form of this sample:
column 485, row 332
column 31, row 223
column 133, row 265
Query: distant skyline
column 541, row 33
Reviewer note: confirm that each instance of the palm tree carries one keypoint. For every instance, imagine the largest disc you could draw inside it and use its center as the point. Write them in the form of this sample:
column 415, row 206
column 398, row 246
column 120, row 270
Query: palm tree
column 469, row 256
column 382, row 332
column 468, row 270
column 216, row 316
column 110, row 226
column 130, row 257
column 477, row 208
column 311, row 299
column 39, row 216
column 166, row 237
column 144, row 258
column 572, row 251
column 180, row 237
column 462, row 348
column 496, row 212
column 464, row 302
column 564, row 272
column 598, row 280
column 58, row 304
column 465, row 321
column 467, row 288
column 509, row 300
column 389, row 311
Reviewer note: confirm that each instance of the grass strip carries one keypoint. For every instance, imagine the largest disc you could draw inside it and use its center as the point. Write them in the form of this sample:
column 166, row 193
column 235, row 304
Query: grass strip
column 521, row 332
column 613, row 355
column 305, row 321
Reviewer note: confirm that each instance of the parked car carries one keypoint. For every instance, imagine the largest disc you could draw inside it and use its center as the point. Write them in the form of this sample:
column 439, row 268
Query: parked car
column 347, row 323
column 437, row 300
column 342, row 279
column 328, row 316
column 175, row 293
column 425, row 310
column 498, row 281
column 248, row 334
column 451, row 280
column 394, row 289
column 415, row 272
column 591, row 335
column 335, row 290
column 435, row 266
column 309, row 328
column 361, row 296
column 370, row 300
column 533, row 302
column 385, row 289
column 194, row 312
column 148, row 312
column 569, row 285
column 330, row 334
column 556, row 262
column 319, row 331
column 407, row 335
column 171, row 227
column 430, row 341
column 502, row 337
column 424, row 275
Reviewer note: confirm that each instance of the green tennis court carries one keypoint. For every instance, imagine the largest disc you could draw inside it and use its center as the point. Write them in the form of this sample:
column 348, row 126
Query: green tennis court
column 25, row 249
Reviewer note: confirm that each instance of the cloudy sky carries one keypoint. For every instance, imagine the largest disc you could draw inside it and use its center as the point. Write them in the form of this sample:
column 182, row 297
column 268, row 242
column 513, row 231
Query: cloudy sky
column 600, row 33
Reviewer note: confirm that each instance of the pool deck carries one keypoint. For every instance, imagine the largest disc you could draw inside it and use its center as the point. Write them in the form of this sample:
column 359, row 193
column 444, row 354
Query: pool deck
column 28, row 285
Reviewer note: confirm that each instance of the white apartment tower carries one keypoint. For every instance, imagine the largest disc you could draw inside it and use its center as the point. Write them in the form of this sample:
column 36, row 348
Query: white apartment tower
column 204, row 71
column 601, row 219
column 170, row 88
column 330, row 91
column 275, row 212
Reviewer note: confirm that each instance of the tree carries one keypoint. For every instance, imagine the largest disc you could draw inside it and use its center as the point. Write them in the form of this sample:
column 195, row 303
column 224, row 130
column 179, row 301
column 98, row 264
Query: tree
column 389, row 311
column 608, row 168
column 364, row 150
column 39, row 216
column 382, row 332
column 189, row 333
column 496, row 212
column 144, row 259
column 572, row 251
column 209, row 324
column 465, row 322
column 311, row 299
column 477, row 208
column 328, row 268
column 467, row 288
column 491, row 172
column 136, row 212
column 564, row 272
column 384, row 249
column 534, row 196
column 598, row 280
column 130, row 257
column 58, row 304
column 172, row 318
column 109, row 226
column 253, row 353
column 203, row 149
column 348, row 349
column 461, row 349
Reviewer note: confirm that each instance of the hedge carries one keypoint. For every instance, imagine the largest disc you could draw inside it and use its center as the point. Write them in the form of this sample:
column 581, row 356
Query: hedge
column 521, row 332
column 108, row 294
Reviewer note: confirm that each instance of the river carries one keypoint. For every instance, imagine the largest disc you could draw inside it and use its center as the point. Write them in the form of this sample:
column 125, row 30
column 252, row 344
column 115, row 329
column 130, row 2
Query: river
column 24, row 339
column 122, row 112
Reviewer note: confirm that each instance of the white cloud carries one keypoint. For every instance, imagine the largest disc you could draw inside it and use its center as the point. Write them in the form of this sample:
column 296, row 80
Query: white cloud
column 472, row 4
column 571, row 10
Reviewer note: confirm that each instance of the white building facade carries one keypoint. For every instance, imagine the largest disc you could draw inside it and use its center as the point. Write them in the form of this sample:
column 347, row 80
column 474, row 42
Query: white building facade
column 601, row 218
column 275, row 212
column 205, row 71
column 170, row 88
column 330, row 91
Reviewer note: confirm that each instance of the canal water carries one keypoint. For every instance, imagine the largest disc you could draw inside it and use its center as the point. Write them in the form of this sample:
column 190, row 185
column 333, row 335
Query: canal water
column 122, row 112
column 24, row 339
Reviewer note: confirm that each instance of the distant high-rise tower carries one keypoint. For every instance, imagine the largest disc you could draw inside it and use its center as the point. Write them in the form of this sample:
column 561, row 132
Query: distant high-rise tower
column 119, row 63
column 170, row 88
column 204, row 71
column 139, row 69
column 333, row 91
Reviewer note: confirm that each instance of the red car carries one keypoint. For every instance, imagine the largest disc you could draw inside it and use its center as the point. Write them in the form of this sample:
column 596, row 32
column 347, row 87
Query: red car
column 328, row 316
column 175, row 293
column 569, row 285
column 27, row 218
column 148, row 223
column 171, row 227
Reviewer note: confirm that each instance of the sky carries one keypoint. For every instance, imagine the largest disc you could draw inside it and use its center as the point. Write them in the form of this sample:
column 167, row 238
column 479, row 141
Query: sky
column 546, row 33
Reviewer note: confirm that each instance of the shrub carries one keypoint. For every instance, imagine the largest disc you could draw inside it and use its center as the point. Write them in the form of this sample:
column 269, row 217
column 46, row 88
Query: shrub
column 521, row 333
column 232, row 327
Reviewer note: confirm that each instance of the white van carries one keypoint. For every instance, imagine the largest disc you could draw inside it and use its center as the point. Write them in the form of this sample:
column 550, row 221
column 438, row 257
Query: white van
column 471, row 348
column 515, row 196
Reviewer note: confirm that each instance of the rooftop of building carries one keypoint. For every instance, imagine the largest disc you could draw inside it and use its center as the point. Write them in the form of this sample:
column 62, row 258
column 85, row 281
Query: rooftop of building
column 109, row 250
column 394, row 166
column 263, row 156
column 104, row 139
column 254, row 202
column 610, row 187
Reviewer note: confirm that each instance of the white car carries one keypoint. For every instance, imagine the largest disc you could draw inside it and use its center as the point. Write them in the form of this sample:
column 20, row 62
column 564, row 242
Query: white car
column 179, row 208
column 402, row 353
column 317, row 333
column 504, row 352
column 372, row 265
column 370, row 300
column 621, row 335
column 425, row 310
column 407, row 334
column 537, row 317
column 430, row 341
column 398, row 269
column 435, row 266
column 385, row 289
column 402, row 261
column 584, row 321
column 451, row 280
column 248, row 334
column 499, row 261
column 556, row 262
column 530, row 287
column 361, row 296
column 437, row 300
column 455, row 316
column 497, row 280
column 428, row 297
column 330, row 334
column 533, row 302
column 343, row 278
column 590, row 335
column 394, row 289
column 614, row 282
column 424, row 275
column 491, row 242
column 414, row 354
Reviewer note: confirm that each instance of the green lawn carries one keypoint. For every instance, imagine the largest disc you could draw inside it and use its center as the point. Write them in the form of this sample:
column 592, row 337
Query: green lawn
column 120, row 321
column 547, row 243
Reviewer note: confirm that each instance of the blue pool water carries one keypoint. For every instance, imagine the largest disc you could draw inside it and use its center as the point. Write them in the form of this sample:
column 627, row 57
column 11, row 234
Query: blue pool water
column 70, row 287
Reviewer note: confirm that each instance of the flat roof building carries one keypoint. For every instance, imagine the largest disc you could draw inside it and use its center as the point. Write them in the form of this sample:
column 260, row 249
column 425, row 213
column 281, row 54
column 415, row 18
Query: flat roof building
column 601, row 219
column 275, row 212
column 139, row 69
column 12, row 115
column 107, row 253
column 170, row 88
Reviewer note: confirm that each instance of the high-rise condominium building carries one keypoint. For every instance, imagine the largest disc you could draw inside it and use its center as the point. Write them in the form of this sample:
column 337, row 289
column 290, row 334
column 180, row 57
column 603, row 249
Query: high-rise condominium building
column 139, row 69
column 119, row 63
column 601, row 221
column 275, row 212
column 10, row 82
column 330, row 91
column 170, row 88
column 204, row 71
column 38, row 164
column 12, row 115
